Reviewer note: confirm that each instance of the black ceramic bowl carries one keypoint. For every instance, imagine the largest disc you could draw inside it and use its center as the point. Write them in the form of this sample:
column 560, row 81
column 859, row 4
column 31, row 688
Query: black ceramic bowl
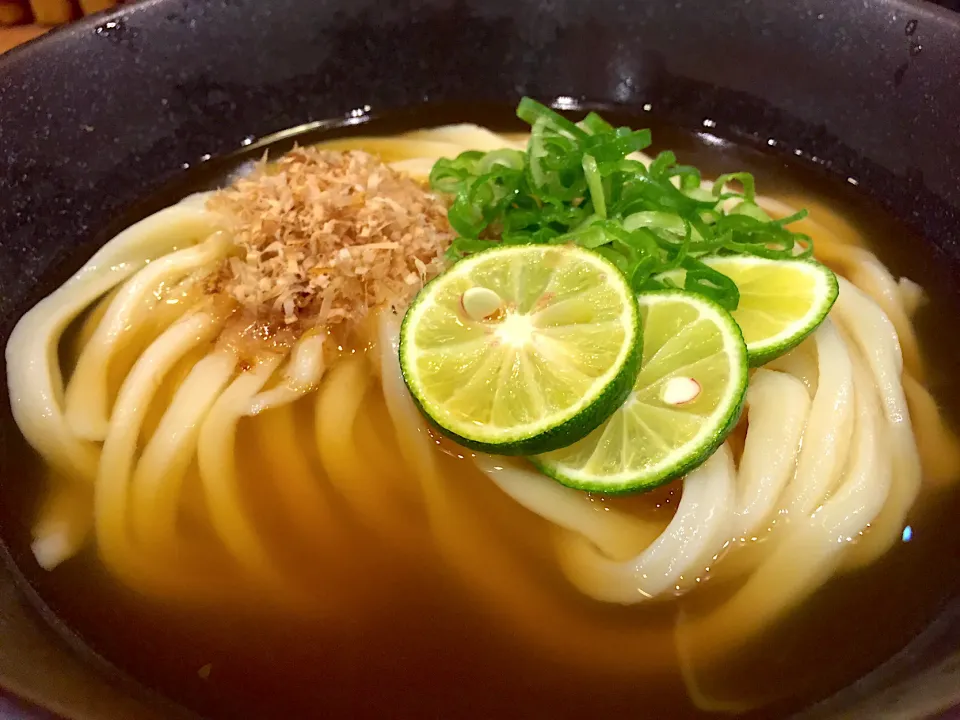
column 96, row 117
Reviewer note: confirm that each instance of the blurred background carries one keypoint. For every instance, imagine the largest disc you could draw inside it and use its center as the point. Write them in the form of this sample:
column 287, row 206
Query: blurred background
column 22, row 20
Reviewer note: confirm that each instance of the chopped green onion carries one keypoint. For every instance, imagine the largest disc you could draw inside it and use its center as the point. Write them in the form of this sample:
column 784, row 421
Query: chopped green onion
column 595, row 185
column 706, row 281
column 590, row 237
column 530, row 111
column 576, row 184
column 745, row 179
column 595, row 125
column 513, row 159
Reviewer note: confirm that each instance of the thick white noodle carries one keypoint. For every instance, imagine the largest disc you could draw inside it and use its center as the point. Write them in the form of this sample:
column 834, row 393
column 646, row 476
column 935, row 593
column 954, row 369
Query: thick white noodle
column 197, row 200
column 235, row 523
column 698, row 532
column 63, row 522
column 801, row 363
column 425, row 147
column 615, row 534
column 775, row 208
column 874, row 334
column 874, row 280
column 417, row 168
column 158, row 477
column 868, row 481
column 34, row 378
column 809, row 548
column 468, row 137
column 352, row 474
column 217, row 462
column 646, row 160
column 412, row 434
column 911, row 296
column 302, row 374
column 827, row 435
column 86, row 400
column 778, row 406
column 111, row 494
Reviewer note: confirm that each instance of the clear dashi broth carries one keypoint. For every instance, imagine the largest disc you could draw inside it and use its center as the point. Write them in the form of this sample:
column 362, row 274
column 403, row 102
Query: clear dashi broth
column 461, row 611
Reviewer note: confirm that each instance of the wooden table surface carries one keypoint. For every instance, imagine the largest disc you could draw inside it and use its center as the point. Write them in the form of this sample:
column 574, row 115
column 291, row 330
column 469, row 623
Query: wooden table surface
column 12, row 36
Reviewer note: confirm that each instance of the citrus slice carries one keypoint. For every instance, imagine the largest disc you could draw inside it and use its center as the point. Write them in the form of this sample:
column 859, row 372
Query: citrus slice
column 523, row 349
column 781, row 301
column 687, row 398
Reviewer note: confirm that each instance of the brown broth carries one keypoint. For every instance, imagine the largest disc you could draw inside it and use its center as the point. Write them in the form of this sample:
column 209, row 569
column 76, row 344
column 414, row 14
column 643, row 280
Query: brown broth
column 419, row 644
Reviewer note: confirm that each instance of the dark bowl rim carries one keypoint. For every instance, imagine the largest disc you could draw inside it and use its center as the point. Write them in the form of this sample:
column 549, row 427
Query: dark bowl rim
column 48, row 45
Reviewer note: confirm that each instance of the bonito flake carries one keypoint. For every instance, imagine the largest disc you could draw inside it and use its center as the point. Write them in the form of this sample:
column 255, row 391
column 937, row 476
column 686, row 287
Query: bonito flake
column 324, row 236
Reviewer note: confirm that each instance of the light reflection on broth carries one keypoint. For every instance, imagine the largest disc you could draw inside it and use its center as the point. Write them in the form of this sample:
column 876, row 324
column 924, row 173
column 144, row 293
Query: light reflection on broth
column 324, row 569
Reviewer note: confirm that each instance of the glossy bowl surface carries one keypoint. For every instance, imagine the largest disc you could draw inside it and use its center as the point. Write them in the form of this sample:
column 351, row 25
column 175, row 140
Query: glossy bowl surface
column 97, row 116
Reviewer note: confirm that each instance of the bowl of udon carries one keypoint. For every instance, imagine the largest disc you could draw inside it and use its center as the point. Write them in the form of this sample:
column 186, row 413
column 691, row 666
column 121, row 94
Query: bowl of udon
column 482, row 359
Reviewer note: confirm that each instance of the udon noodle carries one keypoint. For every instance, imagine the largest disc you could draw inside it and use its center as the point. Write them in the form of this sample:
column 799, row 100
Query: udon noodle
column 200, row 471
